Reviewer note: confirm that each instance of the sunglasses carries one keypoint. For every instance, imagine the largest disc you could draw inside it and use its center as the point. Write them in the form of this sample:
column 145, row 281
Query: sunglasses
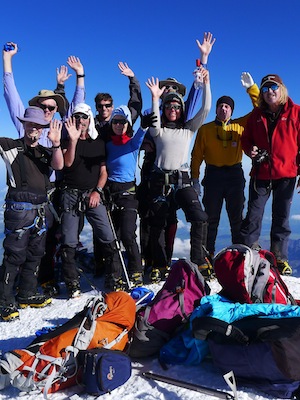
column 119, row 121
column 45, row 106
column 80, row 116
column 175, row 107
column 101, row 106
column 265, row 89
column 172, row 87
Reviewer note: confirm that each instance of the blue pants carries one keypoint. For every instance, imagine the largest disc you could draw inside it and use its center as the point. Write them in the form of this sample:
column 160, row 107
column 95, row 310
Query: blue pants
column 282, row 194
column 223, row 183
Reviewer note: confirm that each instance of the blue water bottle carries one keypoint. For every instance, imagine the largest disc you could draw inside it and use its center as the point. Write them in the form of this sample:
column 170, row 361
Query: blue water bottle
column 8, row 46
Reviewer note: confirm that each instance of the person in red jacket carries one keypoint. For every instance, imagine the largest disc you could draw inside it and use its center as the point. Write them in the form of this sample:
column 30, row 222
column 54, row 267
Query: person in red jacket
column 272, row 140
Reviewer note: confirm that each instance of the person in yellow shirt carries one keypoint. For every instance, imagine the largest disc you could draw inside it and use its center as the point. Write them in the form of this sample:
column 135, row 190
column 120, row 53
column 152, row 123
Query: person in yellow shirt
column 218, row 144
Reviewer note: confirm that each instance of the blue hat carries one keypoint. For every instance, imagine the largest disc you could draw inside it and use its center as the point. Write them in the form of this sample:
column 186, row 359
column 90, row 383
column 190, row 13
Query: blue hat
column 35, row 115
column 124, row 112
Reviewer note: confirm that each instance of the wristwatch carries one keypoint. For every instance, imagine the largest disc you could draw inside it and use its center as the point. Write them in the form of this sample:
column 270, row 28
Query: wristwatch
column 98, row 189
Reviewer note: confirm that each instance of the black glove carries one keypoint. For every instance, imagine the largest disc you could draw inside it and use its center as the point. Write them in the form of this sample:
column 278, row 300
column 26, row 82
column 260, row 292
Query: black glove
column 148, row 121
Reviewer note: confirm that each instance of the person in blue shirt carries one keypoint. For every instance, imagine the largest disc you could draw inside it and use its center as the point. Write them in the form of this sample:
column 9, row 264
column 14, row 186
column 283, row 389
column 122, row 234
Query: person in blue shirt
column 121, row 159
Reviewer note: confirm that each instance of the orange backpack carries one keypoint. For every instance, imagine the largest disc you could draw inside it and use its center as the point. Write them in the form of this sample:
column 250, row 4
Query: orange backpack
column 50, row 362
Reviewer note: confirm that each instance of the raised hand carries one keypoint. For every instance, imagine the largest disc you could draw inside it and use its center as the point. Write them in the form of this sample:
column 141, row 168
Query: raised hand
column 206, row 47
column 55, row 132
column 75, row 64
column 125, row 70
column 12, row 52
column 62, row 74
column 247, row 80
column 72, row 130
column 153, row 85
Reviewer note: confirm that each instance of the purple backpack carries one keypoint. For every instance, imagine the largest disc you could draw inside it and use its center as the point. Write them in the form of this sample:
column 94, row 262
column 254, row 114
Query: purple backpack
column 169, row 310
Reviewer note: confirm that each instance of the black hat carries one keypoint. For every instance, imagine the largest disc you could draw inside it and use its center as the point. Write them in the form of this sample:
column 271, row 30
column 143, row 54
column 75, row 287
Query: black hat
column 227, row 100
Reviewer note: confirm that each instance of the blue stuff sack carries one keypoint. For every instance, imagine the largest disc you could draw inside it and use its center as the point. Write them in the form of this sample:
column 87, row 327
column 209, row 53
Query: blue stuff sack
column 104, row 370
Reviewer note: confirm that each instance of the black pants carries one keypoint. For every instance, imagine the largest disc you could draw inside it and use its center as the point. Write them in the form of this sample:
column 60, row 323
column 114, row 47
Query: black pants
column 124, row 215
column 223, row 183
column 282, row 191
column 23, row 250
column 166, row 199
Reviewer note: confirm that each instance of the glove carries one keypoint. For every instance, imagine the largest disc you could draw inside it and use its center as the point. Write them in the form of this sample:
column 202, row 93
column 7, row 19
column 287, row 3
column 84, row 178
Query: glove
column 247, row 80
column 196, row 186
column 148, row 120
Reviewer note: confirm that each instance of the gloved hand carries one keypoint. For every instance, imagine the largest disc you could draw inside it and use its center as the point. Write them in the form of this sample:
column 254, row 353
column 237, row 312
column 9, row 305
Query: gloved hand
column 148, row 120
column 247, row 80
column 196, row 186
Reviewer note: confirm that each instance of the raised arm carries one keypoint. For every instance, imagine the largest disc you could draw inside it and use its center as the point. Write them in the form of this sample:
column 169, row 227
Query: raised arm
column 251, row 87
column 62, row 76
column 205, row 47
column 135, row 103
column 194, row 97
column 198, row 120
column 156, row 92
column 11, row 95
column 79, row 95
column 54, row 135
column 74, row 134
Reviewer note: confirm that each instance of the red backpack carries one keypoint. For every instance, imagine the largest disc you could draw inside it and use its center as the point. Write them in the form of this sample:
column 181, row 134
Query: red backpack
column 250, row 276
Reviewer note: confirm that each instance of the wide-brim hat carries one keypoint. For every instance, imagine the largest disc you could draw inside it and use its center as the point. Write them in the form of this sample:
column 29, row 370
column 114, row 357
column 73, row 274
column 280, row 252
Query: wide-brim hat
column 35, row 115
column 49, row 94
column 173, row 81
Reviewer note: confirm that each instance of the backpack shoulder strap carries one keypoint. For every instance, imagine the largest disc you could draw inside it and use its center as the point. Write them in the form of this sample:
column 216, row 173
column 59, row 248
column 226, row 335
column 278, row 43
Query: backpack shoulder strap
column 203, row 326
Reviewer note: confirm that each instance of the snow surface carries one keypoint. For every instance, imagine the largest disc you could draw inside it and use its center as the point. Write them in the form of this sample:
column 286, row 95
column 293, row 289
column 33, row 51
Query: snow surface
column 18, row 334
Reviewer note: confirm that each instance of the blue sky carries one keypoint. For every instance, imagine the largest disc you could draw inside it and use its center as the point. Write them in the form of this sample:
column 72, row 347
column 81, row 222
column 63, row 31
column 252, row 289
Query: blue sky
column 156, row 38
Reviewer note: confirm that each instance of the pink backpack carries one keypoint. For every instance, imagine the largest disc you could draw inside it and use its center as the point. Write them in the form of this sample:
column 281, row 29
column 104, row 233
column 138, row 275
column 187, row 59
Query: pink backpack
column 169, row 310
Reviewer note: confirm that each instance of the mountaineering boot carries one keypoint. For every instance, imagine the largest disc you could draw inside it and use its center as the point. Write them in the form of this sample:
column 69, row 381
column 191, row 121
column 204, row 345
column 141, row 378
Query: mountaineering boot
column 159, row 274
column 206, row 269
column 34, row 300
column 8, row 312
column 284, row 267
column 50, row 288
column 114, row 284
column 73, row 289
column 136, row 279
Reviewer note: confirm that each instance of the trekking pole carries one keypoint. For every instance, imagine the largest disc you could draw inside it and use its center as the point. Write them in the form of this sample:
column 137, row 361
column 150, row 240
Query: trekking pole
column 191, row 386
column 118, row 248
column 80, row 270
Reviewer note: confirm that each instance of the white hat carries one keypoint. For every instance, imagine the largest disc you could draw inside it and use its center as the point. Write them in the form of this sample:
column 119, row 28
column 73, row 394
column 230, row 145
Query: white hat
column 82, row 108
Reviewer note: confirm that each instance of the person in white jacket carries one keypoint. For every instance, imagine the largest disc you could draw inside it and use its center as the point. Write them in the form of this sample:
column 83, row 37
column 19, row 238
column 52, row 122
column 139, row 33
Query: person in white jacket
column 170, row 183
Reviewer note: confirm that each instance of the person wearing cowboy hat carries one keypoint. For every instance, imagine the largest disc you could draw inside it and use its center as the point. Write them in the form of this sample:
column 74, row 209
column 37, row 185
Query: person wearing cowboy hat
column 48, row 100
column 27, row 214
column 51, row 102
column 218, row 144
column 84, row 177
column 272, row 140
